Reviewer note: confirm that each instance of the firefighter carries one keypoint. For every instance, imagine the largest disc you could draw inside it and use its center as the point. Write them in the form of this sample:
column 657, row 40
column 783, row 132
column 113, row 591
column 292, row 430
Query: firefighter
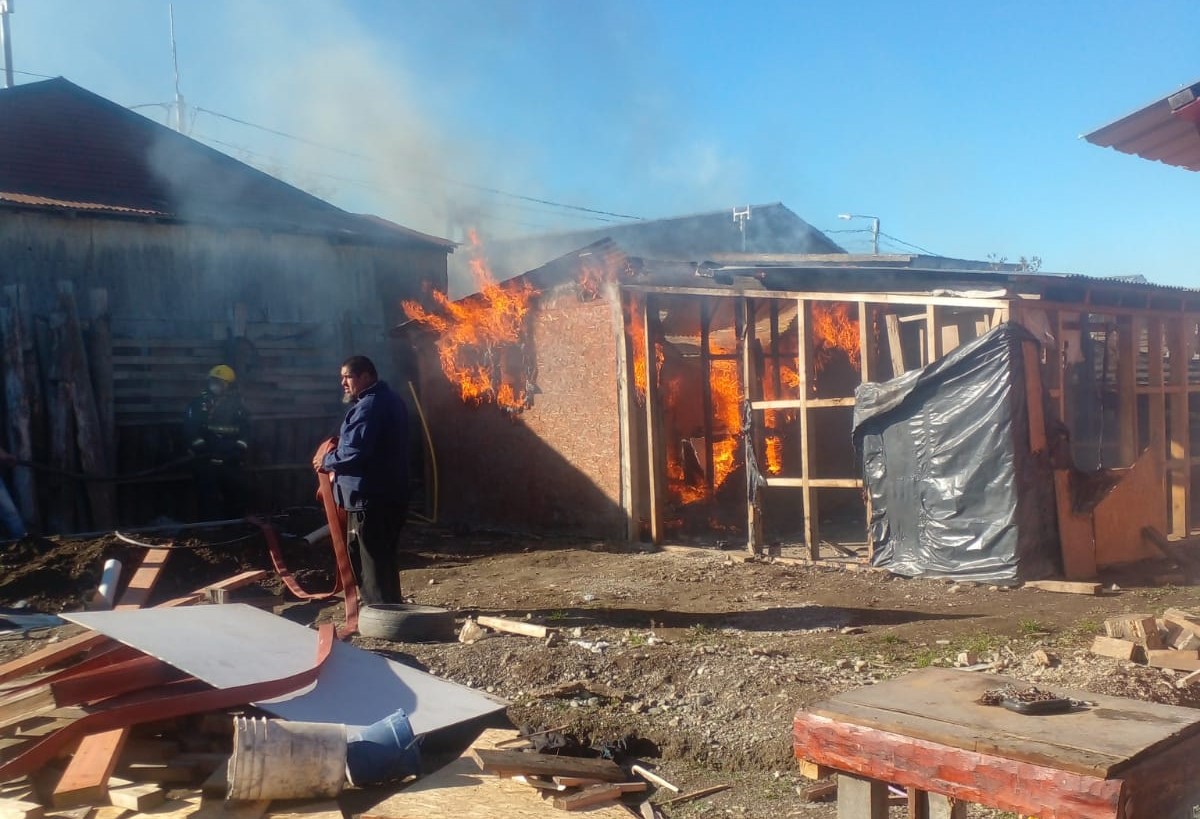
column 216, row 427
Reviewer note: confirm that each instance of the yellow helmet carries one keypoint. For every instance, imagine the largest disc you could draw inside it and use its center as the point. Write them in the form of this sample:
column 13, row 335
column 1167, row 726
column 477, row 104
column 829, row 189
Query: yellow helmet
column 223, row 372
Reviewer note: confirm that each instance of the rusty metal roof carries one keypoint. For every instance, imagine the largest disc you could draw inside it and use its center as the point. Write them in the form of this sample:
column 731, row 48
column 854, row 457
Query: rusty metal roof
column 65, row 148
column 1165, row 131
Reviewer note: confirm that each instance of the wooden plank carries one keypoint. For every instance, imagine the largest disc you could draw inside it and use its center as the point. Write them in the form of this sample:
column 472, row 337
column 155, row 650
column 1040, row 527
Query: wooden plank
column 706, row 391
column 654, row 443
column 753, row 436
column 513, row 626
column 1137, row 501
column 694, row 795
column 895, row 347
column 92, row 455
column 587, row 797
column 20, row 809
column 18, row 401
column 803, row 368
column 1065, row 586
column 651, row 776
column 87, row 774
column 1032, row 366
column 1127, row 421
column 534, row 764
column 861, row 798
column 1140, row 628
column 630, row 473
column 942, row 706
column 137, row 797
column 1076, row 539
column 1179, row 434
column 459, row 791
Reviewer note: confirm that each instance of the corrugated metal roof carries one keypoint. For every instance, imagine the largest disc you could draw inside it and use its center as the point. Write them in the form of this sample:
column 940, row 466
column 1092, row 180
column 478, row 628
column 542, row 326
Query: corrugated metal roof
column 1164, row 131
column 65, row 147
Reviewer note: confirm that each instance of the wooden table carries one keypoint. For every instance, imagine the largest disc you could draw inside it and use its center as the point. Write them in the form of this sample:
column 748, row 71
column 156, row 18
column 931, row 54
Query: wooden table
column 927, row 732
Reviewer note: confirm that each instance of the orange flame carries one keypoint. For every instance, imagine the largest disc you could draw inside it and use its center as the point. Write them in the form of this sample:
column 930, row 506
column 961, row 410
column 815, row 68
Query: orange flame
column 474, row 334
column 637, row 340
column 833, row 328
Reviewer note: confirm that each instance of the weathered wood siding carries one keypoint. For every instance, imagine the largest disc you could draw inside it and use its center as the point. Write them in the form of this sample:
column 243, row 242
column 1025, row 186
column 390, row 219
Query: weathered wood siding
column 283, row 309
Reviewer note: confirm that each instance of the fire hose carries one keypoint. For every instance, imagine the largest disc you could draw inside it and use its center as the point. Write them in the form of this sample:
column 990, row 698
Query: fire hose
column 345, row 580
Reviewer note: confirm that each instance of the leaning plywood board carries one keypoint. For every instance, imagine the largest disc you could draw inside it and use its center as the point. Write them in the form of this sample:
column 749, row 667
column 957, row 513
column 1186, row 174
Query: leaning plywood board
column 234, row 645
column 461, row 791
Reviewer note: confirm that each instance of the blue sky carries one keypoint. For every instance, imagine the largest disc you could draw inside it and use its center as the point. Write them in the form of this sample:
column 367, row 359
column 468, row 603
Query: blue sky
column 956, row 123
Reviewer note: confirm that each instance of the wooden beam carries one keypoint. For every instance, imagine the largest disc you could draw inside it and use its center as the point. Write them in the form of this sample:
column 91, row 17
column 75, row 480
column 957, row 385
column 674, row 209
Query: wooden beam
column 647, row 314
column 750, row 382
column 706, row 392
column 1179, row 437
column 1127, row 420
column 895, row 347
column 625, row 413
column 803, row 366
column 1032, row 365
column 866, row 343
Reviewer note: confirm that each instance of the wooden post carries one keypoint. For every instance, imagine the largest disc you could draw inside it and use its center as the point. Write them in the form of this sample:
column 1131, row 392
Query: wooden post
column 895, row 345
column 706, row 393
column 654, row 443
column 87, row 421
column 629, row 471
column 1127, row 420
column 16, row 396
column 808, row 496
column 866, row 349
column 1157, row 400
column 1179, row 444
column 101, row 363
column 754, row 537
column 860, row 798
column 933, row 334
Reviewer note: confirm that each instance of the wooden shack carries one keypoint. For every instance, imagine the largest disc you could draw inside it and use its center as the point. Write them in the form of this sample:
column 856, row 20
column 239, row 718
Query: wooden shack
column 756, row 363
column 134, row 260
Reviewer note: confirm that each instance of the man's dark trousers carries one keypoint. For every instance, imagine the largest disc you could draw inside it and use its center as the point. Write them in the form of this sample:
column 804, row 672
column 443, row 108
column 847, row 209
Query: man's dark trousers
column 373, row 535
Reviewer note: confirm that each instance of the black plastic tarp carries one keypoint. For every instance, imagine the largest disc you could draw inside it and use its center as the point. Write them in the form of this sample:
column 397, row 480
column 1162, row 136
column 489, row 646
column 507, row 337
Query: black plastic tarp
column 945, row 458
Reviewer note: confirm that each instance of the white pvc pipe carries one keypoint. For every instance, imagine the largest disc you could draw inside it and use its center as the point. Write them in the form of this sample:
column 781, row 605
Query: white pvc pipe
column 106, row 592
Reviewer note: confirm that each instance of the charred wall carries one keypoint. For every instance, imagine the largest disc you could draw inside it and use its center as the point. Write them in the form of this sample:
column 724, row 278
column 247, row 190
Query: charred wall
column 555, row 467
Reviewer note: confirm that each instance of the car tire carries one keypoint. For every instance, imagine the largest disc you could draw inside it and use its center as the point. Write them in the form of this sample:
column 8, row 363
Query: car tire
column 406, row 623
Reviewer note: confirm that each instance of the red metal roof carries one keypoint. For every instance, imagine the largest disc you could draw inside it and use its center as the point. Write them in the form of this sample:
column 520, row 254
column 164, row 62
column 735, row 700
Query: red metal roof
column 65, row 147
column 1166, row 130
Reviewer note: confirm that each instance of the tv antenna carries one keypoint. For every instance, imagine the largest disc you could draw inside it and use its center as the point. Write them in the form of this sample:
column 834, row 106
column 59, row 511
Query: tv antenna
column 741, row 217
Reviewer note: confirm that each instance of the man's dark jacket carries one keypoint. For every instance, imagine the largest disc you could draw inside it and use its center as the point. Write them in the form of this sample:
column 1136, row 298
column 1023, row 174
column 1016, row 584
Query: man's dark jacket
column 370, row 463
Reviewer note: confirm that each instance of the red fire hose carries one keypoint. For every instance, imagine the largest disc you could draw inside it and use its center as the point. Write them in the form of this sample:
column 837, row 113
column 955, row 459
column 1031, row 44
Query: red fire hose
column 345, row 581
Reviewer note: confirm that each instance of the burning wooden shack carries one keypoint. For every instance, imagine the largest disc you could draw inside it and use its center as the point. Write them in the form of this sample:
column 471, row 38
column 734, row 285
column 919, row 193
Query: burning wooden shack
column 628, row 398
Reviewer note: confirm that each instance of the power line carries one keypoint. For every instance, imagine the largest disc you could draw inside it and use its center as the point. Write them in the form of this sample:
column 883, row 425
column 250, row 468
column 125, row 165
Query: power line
column 267, row 159
column 483, row 188
column 910, row 244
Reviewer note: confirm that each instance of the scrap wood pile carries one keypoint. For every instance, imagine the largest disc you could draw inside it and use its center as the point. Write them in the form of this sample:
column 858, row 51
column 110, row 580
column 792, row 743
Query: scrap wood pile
column 1169, row 641
column 515, row 775
column 90, row 727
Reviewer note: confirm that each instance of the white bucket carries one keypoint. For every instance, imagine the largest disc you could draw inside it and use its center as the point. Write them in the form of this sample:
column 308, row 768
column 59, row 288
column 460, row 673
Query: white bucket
column 275, row 759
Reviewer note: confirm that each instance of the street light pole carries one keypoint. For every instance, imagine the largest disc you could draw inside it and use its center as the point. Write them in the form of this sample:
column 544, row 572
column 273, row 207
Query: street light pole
column 874, row 228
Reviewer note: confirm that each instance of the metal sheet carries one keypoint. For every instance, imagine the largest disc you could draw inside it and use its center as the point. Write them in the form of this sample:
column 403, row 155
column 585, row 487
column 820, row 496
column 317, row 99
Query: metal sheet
column 236, row 644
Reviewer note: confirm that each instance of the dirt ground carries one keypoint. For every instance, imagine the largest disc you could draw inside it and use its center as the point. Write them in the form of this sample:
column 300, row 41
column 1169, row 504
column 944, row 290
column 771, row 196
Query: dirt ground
column 694, row 660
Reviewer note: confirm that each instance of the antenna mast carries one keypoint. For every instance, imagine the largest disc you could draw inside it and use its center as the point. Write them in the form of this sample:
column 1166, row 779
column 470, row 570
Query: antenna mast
column 6, row 37
column 180, row 106
column 741, row 217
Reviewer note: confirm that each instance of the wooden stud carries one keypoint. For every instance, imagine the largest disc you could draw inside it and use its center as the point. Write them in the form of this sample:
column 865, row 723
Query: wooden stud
column 803, row 366
column 625, row 413
column 513, row 626
column 860, row 798
column 706, row 392
column 1127, row 420
column 1179, row 435
column 750, row 382
column 654, row 443
column 933, row 334
column 895, row 345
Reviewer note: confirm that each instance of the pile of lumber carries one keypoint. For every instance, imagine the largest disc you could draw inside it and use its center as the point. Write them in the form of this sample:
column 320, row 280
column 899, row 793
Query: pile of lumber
column 94, row 729
column 1171, row 640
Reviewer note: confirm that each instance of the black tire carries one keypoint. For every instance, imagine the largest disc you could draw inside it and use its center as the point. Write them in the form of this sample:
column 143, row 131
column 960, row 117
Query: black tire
column 406, row 623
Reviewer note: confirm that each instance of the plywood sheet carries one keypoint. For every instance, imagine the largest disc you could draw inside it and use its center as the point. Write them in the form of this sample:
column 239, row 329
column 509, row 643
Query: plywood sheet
column 942, row 706
column 461, row 791
column 233, row 645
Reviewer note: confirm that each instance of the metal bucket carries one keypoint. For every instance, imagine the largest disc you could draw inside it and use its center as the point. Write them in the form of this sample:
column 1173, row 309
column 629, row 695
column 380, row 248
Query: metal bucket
column 275, row 759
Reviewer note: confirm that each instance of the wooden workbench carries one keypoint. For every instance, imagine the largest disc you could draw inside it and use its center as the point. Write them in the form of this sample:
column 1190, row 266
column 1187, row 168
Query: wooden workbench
column 926, row 731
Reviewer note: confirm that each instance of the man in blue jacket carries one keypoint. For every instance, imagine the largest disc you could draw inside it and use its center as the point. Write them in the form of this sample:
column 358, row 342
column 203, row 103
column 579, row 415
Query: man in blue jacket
column 370, row 478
